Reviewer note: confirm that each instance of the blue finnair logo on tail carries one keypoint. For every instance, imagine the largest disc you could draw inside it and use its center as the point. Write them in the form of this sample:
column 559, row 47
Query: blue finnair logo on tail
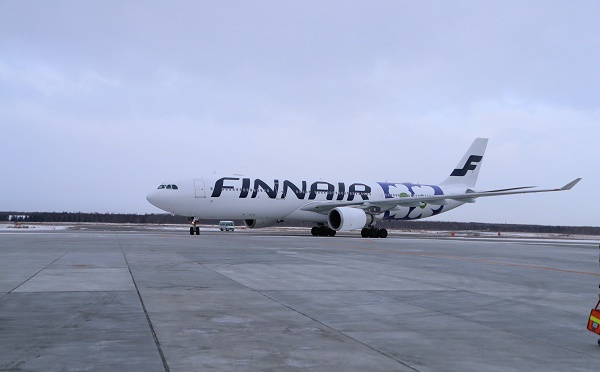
column 471, row 164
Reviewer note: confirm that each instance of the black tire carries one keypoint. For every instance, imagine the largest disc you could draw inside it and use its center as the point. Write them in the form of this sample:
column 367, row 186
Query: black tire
column 322, row 230
column 374, row 233
column 365, row 233
column 192, row 230
column 314, row 231
column 383, row 233
column 197, row 230
column 331, row 232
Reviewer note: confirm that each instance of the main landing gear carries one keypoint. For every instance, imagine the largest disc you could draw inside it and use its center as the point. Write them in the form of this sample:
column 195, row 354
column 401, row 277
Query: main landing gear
column 322, row 230
column 194, row 229
column 373, row 232
column 367, row 232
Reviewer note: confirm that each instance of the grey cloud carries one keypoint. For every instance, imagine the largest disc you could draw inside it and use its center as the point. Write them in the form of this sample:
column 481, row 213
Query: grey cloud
column 139, row 91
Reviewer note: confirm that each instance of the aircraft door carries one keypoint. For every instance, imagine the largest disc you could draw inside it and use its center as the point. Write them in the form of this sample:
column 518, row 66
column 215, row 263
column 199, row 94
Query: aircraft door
column 199, row 186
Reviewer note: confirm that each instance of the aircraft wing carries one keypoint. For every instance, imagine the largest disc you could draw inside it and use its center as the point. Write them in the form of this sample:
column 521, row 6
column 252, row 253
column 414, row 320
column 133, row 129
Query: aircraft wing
column 379, row 206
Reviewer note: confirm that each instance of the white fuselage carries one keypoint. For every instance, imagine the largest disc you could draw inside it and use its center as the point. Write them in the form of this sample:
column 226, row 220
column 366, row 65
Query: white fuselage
column 239, row 197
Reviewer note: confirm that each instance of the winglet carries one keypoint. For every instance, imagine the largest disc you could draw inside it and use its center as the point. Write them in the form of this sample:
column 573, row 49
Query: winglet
column 570, row 185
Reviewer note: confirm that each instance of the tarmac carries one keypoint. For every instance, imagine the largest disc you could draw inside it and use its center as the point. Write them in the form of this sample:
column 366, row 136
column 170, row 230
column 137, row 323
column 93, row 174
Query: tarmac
column 162, row 300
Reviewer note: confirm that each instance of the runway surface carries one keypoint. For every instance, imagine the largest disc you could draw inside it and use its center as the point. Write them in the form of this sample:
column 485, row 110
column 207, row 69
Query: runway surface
column 167, row 301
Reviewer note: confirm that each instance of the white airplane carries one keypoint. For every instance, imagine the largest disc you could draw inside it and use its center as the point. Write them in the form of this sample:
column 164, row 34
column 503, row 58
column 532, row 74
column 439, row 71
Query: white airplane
column 331, row 205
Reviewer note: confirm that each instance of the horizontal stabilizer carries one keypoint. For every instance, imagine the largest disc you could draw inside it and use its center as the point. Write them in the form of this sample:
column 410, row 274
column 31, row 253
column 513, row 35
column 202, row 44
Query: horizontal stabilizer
column 513, row 188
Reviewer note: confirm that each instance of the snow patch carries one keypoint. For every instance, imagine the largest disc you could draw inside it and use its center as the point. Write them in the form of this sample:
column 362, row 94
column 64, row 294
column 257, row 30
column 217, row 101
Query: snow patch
column 30, row 227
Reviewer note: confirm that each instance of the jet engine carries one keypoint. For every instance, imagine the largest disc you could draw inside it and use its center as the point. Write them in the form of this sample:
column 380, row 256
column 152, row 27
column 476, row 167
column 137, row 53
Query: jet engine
column 258, row 223
column 348, row 218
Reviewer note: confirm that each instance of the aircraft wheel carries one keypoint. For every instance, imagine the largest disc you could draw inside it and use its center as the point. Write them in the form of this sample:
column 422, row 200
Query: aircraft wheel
column 197, row 230
column 599, row 341
column 314, row 231
column 364, row 232
column 192, row 230
column 374, row 233
column 322, row 231
column 383, row 233
column 331, row 232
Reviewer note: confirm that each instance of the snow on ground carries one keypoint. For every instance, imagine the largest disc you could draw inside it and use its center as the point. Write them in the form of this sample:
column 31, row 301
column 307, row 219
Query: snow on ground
column 30, row 227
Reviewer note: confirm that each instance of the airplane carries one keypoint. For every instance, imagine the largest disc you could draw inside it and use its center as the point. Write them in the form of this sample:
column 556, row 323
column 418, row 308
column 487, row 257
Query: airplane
column 331, row 204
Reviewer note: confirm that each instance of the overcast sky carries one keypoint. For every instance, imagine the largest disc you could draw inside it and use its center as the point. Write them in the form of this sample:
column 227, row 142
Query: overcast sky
column 101, row 101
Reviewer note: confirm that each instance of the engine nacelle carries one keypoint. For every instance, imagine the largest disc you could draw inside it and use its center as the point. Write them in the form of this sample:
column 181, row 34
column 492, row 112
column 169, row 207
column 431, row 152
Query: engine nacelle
column 348, row 218
column 262, row 222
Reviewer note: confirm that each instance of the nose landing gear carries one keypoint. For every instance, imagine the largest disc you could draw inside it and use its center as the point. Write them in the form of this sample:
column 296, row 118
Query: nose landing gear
column 194, row 229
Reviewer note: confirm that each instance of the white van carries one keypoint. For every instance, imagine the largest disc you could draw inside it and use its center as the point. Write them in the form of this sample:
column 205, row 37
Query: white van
column 226, row 225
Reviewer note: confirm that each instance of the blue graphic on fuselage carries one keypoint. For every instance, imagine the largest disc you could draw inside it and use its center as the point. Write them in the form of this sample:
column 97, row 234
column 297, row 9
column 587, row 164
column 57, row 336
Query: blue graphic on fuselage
column 398, row 190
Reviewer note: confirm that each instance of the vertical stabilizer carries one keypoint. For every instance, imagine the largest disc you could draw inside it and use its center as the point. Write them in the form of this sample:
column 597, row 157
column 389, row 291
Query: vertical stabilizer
column 467, row 169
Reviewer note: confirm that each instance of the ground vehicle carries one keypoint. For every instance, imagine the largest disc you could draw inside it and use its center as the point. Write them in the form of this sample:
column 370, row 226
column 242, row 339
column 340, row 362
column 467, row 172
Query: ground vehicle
column 226, row 225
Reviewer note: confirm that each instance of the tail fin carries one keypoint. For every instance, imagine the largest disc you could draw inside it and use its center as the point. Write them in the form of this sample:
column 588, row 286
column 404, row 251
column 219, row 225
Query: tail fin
column 467, row 170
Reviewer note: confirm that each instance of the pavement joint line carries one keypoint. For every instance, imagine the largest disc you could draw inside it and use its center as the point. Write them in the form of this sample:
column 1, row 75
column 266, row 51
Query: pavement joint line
column 515, row 333
column 313, row 319
column 154, row 336
column 454, row 258
column 538, row 325
column 337, row 331
column 378, row 293
column 28, row 279
column 447, row 288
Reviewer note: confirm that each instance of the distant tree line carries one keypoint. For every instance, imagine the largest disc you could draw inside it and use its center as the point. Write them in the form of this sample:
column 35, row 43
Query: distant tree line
column 91, row 217
column 492, row 227
column 78, row 217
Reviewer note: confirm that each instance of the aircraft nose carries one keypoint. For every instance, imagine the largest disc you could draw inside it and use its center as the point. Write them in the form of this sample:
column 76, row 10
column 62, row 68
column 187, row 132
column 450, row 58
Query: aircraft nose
column 152, row 198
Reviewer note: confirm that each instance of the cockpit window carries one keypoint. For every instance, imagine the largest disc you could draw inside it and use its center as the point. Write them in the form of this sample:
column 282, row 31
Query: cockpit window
column 161, row 186
column 168, row 186
column 174, row 187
